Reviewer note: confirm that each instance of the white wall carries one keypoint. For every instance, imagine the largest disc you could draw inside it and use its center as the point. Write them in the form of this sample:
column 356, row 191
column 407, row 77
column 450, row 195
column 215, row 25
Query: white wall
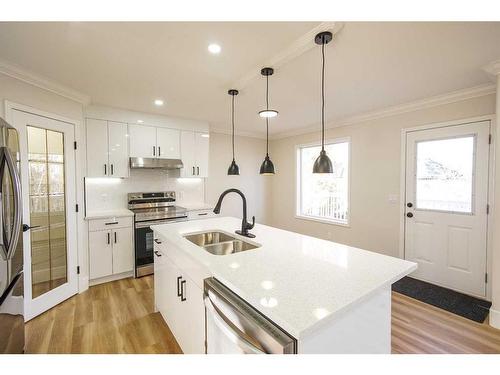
column 375, row 174
column 250, row 153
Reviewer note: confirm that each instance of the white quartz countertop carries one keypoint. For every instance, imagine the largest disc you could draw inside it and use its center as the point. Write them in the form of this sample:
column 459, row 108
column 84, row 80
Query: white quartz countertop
column 120, row 212
column 194, row 206
column 297, row 281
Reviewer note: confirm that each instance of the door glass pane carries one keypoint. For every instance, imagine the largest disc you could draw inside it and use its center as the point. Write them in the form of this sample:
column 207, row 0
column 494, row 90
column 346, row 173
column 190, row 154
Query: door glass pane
column 47, row 209
column 444, row 177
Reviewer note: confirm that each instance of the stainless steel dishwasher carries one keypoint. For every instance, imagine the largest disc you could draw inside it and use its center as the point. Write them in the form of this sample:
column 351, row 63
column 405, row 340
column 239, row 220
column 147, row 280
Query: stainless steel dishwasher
column 234, row 327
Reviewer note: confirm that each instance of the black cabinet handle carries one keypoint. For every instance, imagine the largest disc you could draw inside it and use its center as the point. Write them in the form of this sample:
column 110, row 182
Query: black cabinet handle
column 112, row 169
column 183, row 284
column 112, row 223
column 179, row 293
column 157, row 254
column 203, row 214
column 193, row 171
column 115, row 236
column 154, row 151
column 157, row 241
column 159, row 151
column 105, row 169
column 198, row 171
column 108, row 238
column 409, row 214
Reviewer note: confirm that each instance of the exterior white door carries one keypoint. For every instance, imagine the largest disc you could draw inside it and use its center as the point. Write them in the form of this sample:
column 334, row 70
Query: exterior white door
column 49, row 200
column 446, row 205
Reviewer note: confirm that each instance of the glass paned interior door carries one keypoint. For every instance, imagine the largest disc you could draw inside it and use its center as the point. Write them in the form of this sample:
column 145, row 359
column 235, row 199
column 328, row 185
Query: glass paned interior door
column 47, row 209
column 445, row 174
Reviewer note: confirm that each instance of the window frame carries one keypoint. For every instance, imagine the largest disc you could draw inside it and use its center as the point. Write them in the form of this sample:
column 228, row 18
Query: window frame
column 298, row 182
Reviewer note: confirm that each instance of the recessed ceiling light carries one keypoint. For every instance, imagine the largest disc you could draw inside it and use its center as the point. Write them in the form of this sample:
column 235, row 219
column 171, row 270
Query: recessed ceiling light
column 140, row 121
column 159, row 102
column 214, row 48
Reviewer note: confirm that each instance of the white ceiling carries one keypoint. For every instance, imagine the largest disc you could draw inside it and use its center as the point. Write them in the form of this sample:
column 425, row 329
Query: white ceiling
column 369, row 66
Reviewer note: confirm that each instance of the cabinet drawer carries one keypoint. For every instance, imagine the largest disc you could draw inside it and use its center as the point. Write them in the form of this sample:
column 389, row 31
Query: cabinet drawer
column 110, row 223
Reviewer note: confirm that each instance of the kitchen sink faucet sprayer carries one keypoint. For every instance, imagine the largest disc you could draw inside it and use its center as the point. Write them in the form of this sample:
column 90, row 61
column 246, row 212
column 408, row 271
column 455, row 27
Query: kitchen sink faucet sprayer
column 245, row 225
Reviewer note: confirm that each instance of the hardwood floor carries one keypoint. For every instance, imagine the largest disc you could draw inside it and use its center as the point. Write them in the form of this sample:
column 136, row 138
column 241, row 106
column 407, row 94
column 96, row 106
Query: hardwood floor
column 118, row 317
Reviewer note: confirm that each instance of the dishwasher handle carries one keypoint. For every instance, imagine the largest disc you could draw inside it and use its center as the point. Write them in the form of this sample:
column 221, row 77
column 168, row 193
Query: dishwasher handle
column 234, row 335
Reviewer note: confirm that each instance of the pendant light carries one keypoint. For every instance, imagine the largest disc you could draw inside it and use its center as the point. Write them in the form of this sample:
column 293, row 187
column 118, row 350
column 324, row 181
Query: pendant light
column 267, row 167
column 233, row 170
column 323, row 164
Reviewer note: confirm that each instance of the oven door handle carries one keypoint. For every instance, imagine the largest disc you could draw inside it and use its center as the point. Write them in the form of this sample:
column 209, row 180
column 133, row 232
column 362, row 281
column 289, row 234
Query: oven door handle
column 231, row 333
column 146, row 224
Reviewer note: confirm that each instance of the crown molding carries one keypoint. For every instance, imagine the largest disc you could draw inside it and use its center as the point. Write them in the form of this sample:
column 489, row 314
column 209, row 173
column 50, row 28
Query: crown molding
column 493, row 68
column 248, row 134
column 294, row 50
column 37, row 80
column 433, row 101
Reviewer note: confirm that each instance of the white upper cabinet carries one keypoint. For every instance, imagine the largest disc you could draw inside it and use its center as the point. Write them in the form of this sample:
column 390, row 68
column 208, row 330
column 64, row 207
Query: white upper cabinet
column 118, row 149
column 142, row 141
column 107, row 149
column 97, row 148
column 168, row 143
column 194, row 153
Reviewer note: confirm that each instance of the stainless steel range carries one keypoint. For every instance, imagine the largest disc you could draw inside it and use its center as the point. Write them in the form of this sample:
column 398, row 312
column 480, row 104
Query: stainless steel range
column 151, row 209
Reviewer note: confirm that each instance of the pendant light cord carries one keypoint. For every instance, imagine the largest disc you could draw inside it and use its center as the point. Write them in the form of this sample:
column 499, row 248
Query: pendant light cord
column 267, row 119
column 232, row 121
column 323, row 97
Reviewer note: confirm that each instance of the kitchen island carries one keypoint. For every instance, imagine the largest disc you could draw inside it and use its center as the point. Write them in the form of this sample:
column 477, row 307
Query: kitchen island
column 330, row 297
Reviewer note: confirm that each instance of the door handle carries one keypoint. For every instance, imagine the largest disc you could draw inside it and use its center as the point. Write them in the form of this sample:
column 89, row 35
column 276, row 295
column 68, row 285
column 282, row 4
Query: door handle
column 26, row 227
column 183, row 284
column 409, row 214
column 179, row 293
column 16, row 184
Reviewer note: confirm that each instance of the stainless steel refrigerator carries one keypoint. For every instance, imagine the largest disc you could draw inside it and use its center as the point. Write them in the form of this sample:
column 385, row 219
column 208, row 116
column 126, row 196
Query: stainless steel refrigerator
column 11, row 246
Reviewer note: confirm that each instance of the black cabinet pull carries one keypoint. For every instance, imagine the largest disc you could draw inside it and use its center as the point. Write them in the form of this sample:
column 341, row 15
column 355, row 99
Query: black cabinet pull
column 159, row 255
column 154, row 151
column 105, row 169
column 179, row 293
column 112, row 169
column 183, row 284
column 198, row 171
column 108, row 238
column 111, row 223
column 159, row 151
column 115, row 236
column 157, row 241
column 193, row 171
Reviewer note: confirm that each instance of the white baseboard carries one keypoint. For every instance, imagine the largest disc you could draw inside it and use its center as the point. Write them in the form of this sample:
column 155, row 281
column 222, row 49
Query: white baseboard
column 109, row 278
column 495, row 318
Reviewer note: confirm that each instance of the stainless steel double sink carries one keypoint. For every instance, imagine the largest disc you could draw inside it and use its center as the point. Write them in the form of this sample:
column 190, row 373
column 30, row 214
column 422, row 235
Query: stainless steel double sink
column 219, row 243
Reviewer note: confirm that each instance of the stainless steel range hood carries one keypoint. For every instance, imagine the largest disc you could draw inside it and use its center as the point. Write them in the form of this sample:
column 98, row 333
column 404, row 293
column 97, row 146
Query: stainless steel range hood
column 153, row 163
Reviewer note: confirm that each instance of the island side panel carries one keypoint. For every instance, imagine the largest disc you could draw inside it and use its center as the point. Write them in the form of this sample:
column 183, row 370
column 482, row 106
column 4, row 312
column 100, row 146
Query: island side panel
column 364, row 328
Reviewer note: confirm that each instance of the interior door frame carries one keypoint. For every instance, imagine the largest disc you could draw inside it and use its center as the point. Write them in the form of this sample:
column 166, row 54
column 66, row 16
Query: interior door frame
column 491, row 181
column 81, row 243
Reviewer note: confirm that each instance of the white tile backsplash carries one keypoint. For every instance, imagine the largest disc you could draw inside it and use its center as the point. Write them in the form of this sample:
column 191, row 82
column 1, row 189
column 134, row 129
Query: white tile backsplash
column 111, row 193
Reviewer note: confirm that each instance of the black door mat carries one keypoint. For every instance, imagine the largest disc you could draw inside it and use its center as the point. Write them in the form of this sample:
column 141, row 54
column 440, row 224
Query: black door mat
column 457, row 303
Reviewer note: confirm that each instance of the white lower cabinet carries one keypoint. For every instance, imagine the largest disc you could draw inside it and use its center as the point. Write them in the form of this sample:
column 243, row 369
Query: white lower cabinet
column 180, row 302
column 111, row 251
